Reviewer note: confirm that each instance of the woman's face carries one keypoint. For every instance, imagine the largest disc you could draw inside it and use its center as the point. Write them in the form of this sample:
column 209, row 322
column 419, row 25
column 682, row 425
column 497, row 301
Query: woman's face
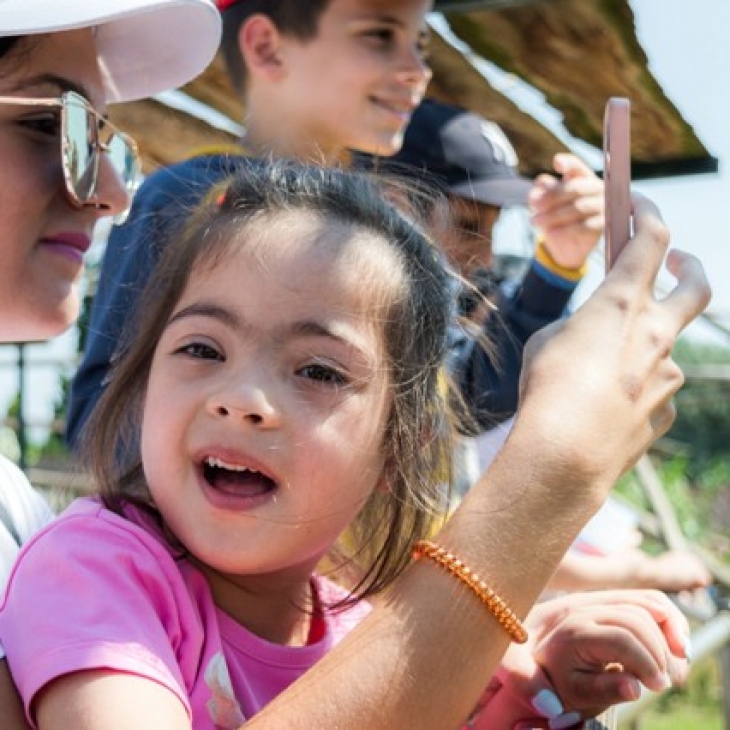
column 44, row 237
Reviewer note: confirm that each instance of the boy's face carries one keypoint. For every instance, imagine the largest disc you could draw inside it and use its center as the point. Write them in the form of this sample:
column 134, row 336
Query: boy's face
column 467, row 242
column 355, row 85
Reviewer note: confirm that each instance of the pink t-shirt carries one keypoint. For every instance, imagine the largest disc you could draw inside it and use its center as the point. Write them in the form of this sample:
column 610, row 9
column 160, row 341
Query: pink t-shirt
column 96, row 591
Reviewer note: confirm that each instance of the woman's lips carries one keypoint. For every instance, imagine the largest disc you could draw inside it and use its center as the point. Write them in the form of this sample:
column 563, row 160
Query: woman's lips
column 70, row 244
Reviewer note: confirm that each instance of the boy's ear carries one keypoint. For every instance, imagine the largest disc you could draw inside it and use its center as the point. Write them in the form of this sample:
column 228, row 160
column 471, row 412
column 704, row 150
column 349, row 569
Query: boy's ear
column 259, row 41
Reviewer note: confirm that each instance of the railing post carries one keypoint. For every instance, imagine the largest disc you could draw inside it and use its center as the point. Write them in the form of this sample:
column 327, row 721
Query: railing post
column 724, row 659
column 22, row 433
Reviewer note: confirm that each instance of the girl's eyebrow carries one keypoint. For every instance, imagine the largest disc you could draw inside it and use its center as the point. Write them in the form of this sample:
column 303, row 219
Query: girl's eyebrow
column 301, row 328
column 208, row 309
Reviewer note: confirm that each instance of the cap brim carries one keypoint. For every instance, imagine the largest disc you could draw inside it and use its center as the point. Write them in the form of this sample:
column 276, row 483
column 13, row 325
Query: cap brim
column 144, row 46
column 502, row 192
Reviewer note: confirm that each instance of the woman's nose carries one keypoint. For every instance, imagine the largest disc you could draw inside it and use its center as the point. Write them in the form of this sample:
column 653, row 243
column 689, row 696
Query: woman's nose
column 111, row 196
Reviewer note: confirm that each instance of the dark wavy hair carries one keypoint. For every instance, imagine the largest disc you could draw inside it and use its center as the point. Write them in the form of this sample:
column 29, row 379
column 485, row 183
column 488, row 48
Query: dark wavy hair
column 414, row 321
column 296, row 18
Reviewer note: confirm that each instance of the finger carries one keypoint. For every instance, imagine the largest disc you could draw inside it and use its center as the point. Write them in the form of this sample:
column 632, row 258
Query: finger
column 548, row 195
column 692, row 293
column 520, row 676
column 568, row 212
column 571, row 166
column 604, row 689
column 641, row 260
column 672, row 622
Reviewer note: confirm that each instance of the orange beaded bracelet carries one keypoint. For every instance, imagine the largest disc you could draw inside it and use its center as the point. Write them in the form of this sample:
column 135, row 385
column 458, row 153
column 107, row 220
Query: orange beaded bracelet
column 494, row 603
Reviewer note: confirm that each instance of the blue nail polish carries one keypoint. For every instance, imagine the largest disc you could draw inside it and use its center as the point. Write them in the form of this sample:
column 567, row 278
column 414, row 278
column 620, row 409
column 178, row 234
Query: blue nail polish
column 564, row 721
column 547, row 704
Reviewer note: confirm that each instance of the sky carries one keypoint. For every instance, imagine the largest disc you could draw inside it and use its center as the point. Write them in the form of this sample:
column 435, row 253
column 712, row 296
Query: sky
column 689, row 54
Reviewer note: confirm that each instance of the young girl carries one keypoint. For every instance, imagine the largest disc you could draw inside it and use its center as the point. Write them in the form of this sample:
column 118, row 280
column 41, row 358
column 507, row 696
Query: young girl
column 280, row 392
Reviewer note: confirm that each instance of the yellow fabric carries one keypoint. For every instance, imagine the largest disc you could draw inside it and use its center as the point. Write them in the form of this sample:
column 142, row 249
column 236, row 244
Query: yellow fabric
column 543, row 257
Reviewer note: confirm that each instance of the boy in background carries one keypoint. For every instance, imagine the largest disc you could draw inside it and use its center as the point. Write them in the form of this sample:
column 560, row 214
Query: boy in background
column 471, row 161
column 318, row 79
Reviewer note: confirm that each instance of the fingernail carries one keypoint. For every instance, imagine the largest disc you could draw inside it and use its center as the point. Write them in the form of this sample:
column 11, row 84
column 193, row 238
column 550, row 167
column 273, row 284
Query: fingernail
column 630, row 689
column 662, row 682
column 687, row 646
column 567, row 720
column 547, row 704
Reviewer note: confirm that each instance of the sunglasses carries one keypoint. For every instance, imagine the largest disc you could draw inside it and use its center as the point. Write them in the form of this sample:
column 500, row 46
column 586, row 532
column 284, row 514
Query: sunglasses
column 85, row 135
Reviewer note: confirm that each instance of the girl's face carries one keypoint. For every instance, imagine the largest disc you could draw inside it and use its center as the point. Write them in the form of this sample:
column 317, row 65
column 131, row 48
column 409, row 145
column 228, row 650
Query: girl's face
column 268, row 398
column 44, row 237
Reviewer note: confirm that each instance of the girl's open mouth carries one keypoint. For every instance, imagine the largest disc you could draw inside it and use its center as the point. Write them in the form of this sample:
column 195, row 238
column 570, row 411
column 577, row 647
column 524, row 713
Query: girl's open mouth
column 239, row 481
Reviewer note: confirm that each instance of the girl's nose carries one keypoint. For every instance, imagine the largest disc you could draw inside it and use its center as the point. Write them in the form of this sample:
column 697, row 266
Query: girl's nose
column 246, row 403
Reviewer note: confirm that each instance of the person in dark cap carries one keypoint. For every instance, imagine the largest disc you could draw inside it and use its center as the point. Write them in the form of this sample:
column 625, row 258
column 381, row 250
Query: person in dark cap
column 471, row 161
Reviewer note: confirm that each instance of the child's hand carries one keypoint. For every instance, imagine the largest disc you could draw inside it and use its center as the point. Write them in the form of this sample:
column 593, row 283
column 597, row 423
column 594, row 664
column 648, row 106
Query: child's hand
column 587, row 652
column 599, row 385
column 569, row 211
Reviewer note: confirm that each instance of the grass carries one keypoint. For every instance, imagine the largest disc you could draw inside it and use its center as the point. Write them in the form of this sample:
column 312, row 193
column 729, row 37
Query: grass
column 696, row 707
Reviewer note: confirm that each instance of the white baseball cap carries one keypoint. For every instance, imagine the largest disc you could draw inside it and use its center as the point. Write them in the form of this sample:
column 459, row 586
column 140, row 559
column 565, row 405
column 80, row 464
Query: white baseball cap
column 144, row 46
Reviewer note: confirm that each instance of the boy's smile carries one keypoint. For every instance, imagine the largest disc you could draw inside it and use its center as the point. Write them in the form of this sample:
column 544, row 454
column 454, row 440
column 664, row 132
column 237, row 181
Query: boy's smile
column 354, row 85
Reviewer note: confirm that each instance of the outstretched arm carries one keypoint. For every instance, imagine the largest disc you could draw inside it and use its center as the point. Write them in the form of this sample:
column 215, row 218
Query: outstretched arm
column 596, row 391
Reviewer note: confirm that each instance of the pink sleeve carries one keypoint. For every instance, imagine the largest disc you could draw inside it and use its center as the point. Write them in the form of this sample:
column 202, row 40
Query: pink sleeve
column 94, row 591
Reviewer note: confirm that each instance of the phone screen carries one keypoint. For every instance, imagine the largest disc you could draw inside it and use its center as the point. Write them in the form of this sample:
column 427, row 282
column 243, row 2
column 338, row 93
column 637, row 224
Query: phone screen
column 617, row 176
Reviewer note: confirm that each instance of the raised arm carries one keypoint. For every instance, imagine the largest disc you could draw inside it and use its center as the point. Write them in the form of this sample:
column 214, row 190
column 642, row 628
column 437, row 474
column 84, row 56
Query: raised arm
column 597, row 390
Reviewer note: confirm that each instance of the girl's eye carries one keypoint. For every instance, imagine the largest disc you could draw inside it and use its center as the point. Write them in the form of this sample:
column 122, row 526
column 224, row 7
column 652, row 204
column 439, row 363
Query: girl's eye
column 201, row 351
column 47, row 124
column 323, row 374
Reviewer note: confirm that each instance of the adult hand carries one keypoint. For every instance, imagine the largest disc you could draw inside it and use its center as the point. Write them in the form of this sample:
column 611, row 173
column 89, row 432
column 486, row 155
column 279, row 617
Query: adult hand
column 568, row 211
column 597, row 388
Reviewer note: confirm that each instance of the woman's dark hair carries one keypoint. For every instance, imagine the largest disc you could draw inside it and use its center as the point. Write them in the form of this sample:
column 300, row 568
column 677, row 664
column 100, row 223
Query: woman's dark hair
column 7, row 43
column 415, row 313
column 296, row 18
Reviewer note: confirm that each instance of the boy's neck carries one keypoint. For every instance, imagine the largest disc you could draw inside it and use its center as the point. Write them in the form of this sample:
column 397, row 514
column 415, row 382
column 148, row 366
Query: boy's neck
column 290, row 144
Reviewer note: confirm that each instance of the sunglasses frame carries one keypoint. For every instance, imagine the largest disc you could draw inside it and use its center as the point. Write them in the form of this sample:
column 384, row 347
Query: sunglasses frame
column 63, row 102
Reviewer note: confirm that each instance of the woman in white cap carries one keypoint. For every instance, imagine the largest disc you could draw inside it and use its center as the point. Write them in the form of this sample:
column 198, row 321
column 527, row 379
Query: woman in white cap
column 64, row 167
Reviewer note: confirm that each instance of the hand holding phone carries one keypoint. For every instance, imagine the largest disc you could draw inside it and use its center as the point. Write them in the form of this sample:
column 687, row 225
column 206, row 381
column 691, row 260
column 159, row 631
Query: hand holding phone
column 617, row 176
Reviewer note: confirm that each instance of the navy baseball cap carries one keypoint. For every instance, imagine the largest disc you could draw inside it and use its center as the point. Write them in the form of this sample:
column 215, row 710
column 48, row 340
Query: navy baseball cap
column 468, row 155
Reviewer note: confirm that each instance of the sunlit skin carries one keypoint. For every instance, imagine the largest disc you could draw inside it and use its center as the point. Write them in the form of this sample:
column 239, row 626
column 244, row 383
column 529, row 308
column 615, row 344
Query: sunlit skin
column 371, row 54
column 44, row 236
column 261, row 366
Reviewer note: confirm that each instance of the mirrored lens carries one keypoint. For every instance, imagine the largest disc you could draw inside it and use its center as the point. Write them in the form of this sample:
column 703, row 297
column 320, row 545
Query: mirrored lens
column 124, row 160
column 79, row 150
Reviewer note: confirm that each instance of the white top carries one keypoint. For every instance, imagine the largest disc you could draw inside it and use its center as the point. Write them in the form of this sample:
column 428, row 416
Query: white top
column 27, row 512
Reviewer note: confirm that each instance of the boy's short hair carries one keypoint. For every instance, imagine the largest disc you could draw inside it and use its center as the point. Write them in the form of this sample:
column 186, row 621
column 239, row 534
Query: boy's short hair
column 298, row 18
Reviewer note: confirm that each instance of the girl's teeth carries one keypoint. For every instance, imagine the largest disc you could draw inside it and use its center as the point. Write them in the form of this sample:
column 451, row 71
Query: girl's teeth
column 220, row 464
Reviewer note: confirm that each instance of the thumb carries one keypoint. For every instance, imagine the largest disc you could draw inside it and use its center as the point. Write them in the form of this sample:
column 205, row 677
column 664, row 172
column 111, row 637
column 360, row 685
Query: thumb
column 525, row 684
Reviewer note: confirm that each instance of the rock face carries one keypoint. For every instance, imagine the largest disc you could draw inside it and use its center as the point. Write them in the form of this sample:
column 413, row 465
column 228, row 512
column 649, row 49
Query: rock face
column 576, row 52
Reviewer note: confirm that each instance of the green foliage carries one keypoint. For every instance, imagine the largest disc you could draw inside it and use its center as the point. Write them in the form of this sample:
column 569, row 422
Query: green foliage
column 699, row 705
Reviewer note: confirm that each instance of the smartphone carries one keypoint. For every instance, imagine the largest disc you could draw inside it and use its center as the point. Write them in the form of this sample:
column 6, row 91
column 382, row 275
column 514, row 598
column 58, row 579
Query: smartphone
column 617, row 176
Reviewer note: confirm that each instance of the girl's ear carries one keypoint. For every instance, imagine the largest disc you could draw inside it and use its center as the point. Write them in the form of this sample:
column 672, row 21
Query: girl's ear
column 259, row 42
column 383, row 485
